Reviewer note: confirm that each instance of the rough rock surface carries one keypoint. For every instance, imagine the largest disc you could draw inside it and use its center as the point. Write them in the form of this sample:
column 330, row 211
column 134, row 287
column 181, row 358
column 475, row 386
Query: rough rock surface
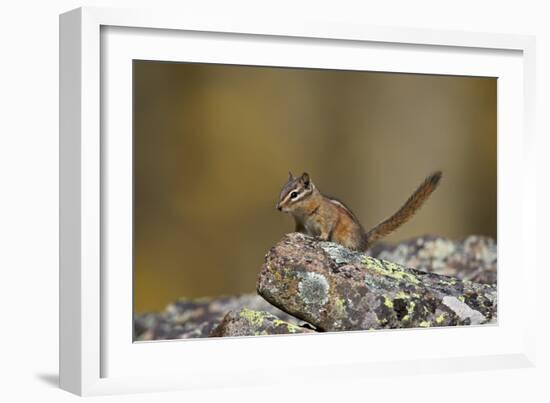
column 474, row 258
column 247, row 322
column 197, row 318
column 334, row 288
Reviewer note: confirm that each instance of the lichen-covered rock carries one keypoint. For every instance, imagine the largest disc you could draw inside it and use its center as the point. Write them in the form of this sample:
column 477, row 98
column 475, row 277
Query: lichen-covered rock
column 474, row 258
column 334, row 288
column 187, row 318
column 247, row 322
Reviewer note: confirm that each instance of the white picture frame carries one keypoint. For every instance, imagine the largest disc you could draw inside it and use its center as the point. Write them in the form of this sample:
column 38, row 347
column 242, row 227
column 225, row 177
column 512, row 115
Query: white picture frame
column 96, row 354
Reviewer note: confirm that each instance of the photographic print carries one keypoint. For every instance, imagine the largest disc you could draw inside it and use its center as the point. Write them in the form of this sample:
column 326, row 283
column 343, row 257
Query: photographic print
column 275, row 200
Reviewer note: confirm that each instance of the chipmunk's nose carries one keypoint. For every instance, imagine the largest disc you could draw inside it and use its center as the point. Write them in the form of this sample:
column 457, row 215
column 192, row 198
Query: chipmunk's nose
column 278, row 207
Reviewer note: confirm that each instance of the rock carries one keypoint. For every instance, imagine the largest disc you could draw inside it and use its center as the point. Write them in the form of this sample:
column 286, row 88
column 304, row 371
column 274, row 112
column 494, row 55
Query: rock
column 474, row 258
column 247, row 322
column 334, row 288
column 188, row 318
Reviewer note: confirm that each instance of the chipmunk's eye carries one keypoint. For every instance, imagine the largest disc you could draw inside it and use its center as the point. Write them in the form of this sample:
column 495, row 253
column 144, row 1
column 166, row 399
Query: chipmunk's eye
column 293, row 195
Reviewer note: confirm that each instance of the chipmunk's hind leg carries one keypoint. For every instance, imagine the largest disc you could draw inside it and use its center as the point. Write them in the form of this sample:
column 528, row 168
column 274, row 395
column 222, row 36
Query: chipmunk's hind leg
column 363, row 243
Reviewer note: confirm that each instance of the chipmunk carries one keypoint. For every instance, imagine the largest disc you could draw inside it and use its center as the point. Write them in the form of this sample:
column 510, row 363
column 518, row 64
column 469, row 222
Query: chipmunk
column 329, row 219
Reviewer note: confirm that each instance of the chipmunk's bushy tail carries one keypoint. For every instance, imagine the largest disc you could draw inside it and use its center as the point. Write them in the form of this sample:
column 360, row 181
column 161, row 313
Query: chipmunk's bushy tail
column 411, row 206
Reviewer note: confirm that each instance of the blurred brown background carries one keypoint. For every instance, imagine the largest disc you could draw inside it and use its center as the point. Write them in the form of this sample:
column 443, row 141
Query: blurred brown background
column 213, row 145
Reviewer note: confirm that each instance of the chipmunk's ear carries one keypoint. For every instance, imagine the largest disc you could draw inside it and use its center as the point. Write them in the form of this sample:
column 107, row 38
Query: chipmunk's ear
column 305, row 179
column 290, row 176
